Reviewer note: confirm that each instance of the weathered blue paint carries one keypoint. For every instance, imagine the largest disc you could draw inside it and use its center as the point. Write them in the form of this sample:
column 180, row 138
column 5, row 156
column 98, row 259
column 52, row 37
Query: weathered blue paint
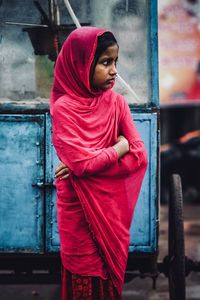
column 21, row 165
column 144, row 226
column 153, row 53
column 52, row 237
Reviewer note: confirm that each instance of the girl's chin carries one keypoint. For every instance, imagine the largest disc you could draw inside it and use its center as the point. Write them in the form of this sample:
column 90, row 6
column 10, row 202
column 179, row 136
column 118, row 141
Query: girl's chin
column 109, row 85
column 104, row 87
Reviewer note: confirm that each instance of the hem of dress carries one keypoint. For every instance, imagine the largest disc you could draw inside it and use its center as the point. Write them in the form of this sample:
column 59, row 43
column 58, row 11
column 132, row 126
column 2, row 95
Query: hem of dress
column 83, row 274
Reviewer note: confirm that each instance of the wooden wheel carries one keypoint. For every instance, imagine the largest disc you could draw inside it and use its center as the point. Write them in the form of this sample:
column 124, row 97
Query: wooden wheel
column 176, row 245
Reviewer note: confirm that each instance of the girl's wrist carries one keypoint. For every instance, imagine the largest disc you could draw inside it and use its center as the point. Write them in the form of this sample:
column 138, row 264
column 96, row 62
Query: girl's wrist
column 121, row 147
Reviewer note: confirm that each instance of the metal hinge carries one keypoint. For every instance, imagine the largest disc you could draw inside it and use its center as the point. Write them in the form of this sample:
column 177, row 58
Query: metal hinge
column 42, row 184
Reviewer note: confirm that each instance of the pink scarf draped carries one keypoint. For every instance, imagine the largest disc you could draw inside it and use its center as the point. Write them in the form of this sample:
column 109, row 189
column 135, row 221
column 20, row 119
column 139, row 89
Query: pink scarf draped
column 86, row 125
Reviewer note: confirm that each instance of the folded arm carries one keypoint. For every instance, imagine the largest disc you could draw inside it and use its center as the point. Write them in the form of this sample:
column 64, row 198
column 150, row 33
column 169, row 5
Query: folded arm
column 123, row 158
column 101, row 162
column 75, row 155
column 136, row 158
column 137, row 155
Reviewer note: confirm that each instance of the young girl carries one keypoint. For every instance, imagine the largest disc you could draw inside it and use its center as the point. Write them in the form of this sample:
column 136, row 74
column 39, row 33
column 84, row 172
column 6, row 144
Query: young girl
column 103, row 165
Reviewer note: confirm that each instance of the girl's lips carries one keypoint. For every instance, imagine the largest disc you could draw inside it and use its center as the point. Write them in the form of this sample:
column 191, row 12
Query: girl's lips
column 110, row 81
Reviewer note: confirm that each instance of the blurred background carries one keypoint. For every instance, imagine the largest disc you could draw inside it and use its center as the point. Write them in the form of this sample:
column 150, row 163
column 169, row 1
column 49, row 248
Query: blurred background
column 179, row 82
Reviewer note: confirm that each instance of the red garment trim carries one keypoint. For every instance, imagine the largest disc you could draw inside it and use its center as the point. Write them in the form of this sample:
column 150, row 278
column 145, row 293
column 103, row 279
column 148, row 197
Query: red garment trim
column 76, row 287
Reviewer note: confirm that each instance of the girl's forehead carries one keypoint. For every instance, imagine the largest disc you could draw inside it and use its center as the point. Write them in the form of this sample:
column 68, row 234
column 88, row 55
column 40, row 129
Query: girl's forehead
column 111, row 51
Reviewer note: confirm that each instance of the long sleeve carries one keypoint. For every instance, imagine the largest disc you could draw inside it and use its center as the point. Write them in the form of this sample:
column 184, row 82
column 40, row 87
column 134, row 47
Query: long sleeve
column 83, row 160
column 131, row 162
column 137, row 155
column 72, row 149
column 101, row 162
column 136, row 158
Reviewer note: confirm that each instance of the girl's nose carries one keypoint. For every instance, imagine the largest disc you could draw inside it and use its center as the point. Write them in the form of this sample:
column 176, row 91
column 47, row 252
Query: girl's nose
column 113, row 69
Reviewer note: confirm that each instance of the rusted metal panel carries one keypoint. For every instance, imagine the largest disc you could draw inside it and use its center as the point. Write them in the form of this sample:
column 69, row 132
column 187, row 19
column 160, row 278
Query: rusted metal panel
column 145, row 222
column 22, row 171
column 37, row 106
column 52, row 238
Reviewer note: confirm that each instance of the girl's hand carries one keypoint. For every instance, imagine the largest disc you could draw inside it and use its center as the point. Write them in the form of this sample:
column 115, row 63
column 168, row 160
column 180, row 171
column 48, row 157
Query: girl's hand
column 122, row 146
column 61, row 171
column 121, row 138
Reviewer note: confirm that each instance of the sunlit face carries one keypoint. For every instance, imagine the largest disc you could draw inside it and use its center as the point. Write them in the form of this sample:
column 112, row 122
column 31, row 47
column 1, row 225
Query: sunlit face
column 105, row 70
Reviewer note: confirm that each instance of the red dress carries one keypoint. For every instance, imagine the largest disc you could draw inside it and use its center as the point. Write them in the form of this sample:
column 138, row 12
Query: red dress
column 95, row 205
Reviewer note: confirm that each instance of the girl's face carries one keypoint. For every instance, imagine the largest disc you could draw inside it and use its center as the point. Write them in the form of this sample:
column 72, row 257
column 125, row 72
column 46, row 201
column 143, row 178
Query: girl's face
column 105, row 71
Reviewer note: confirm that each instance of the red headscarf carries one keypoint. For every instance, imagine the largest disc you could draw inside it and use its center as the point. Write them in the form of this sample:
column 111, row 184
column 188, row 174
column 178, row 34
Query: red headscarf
column 86, row 125
column 72, row 73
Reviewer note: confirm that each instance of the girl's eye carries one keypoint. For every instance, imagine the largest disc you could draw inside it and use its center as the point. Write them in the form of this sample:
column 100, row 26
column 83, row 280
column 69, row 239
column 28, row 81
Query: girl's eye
column 105, row 63
column 109, row 62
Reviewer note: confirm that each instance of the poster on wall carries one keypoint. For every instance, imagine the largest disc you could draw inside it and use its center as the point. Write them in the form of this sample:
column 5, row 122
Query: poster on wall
column 179, row 51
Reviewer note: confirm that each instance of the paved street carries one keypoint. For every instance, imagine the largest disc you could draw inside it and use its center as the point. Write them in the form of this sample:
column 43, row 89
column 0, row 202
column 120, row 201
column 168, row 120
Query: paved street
column 137, row 289
column 141, row 289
